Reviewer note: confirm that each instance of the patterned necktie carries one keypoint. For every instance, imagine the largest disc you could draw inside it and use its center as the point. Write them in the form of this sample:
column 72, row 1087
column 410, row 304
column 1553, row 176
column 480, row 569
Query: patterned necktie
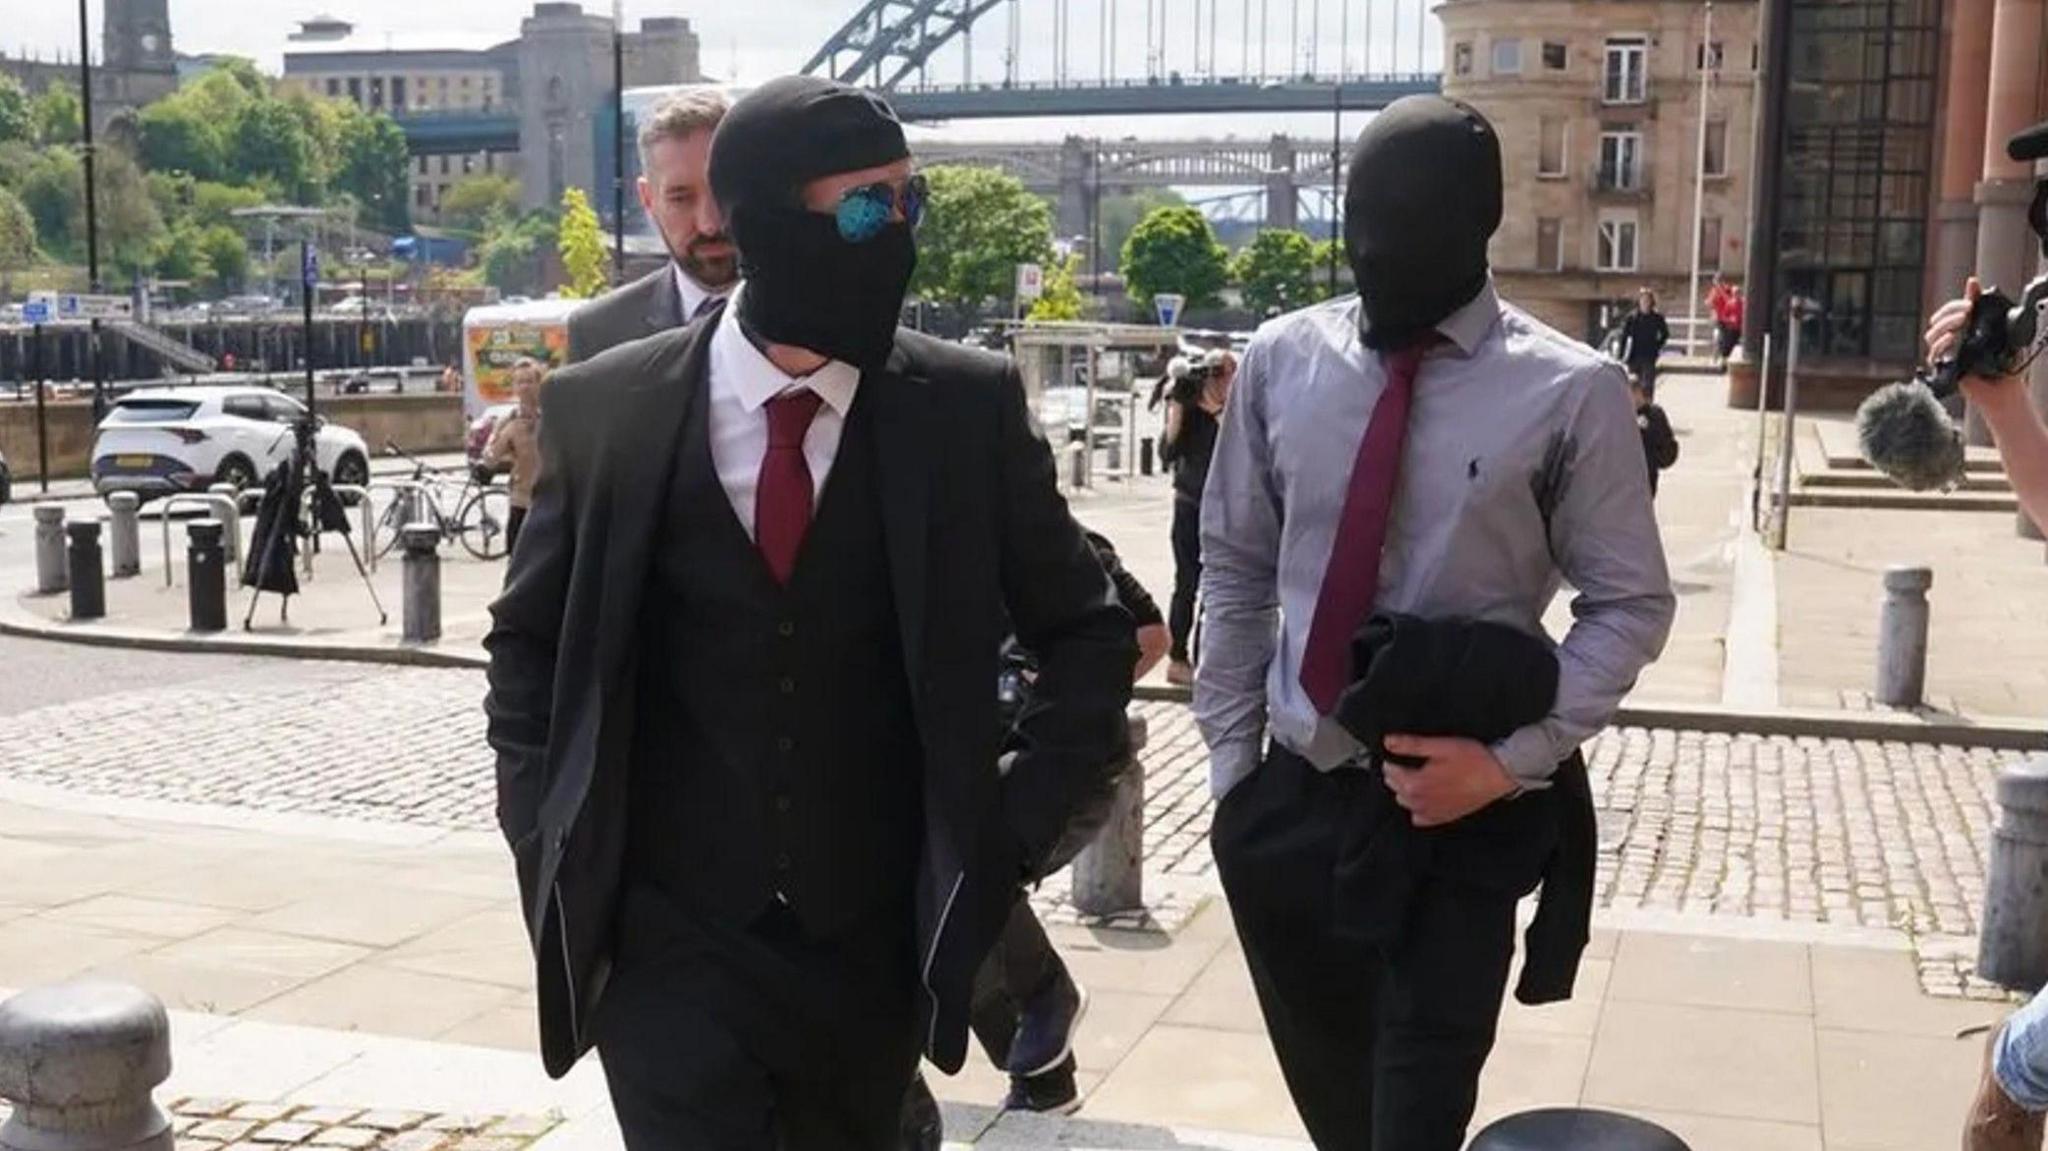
column 706, row 306
column 782, row 498
column 1352, row 578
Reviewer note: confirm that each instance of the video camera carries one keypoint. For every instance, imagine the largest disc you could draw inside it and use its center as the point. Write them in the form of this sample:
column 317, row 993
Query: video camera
column 1186, row 376
column 2001, row 331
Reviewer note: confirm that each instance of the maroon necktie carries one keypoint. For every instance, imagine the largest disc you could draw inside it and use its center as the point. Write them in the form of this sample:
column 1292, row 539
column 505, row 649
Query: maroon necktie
column 1353, row 577
column 782, row 499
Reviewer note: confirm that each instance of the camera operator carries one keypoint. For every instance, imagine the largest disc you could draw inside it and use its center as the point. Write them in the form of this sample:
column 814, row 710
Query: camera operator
column 1194, row 404
column 2012, row 1096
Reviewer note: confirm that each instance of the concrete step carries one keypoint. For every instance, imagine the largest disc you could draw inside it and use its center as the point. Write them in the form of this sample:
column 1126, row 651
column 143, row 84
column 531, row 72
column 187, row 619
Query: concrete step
column 1871, row 480
column 1899, row 499
column 1839, row 450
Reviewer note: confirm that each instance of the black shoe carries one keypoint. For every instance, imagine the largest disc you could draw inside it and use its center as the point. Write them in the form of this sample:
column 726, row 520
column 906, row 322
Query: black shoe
column 1048, row 1093
column 1045, row 1028
column 922, row 1128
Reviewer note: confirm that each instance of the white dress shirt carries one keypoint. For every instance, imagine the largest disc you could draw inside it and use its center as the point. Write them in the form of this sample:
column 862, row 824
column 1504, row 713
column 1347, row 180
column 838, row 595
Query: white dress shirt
column 692, row 294
column 743, row 380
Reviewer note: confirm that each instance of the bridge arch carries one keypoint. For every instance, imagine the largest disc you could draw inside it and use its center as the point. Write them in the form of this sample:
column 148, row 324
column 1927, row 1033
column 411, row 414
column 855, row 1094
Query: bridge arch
column 890, row 40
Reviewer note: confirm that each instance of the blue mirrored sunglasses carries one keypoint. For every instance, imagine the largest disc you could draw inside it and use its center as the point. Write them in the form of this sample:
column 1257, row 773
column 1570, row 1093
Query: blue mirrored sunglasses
column 866, row 210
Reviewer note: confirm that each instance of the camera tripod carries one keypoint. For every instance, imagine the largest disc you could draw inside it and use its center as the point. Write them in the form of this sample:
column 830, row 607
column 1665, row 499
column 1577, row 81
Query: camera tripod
column 284, row 517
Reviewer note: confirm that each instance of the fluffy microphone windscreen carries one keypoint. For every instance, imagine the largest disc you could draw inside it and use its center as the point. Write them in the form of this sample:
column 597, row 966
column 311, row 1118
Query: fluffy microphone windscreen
column 1906, row 434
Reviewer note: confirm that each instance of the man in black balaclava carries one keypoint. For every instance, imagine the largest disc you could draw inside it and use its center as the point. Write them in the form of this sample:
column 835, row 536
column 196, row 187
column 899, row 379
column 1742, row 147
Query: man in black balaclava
column 1420, row 450
column 742, row 673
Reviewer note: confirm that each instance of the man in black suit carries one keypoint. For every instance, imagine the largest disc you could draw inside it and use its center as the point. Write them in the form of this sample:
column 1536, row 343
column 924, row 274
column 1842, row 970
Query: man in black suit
column 675, row 191
column 741, row 683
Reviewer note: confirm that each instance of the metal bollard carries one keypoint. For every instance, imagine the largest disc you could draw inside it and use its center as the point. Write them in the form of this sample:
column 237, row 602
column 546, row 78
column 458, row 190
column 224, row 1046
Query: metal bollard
column 79, row 1062
column 1109, row 874
column 422, row 583
column 1145, row 450
column 2012, row 948
column 231, row 521
column 206, row 575
column 125, row 533
column 52, row 576
column 1902, row 637
column 88, row 577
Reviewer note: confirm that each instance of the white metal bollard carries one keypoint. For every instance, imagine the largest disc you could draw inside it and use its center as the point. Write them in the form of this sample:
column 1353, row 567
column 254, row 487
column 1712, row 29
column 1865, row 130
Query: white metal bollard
column 1902, row 637
column 52, row 563
column 1109, row 874
column 230, row 516
column 79, row 1062
column 2012, row 948
column 124, row 542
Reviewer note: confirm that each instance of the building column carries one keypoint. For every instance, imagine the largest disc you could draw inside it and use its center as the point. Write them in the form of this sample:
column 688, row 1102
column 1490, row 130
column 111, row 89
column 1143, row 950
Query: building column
column 1954, row 251
column 2007, row 252
column 1076, row 162
column 1282, row 210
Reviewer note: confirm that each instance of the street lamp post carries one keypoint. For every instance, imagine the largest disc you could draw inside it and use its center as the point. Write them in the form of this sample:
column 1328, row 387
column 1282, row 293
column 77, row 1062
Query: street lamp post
column 618, row 141
column 1336, row 165
column 1699, row 186
column 92, row 215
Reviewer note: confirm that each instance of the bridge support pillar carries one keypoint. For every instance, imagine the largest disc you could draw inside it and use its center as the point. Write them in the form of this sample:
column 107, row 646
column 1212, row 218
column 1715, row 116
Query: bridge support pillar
column 1077, row 182
column 1281, row 208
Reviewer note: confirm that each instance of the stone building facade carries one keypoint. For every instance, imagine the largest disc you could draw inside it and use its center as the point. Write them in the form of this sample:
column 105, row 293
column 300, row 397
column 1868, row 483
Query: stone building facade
column 1597, row 103
column 137, row 63
column 555, row 80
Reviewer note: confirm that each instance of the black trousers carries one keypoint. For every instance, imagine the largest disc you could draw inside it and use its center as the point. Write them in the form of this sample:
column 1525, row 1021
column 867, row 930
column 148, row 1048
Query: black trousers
column 1020, row 966
column 1187, row 574
column 1381, row 1042
column 513, row 523
column 759, row 1038
column 1646, row 371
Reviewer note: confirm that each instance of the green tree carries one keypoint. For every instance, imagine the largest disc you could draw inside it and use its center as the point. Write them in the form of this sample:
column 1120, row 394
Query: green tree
column 128, row 220
column 54, row 193
column 1061, row 299
column 216, row 203
column 17, row 116
column 59, row 120
column 510, row 255
column 227, row 257
column 982, row 223
column 17, row 233
column 372, row 167
column 582, row 247
column 178, row 135
column 176, row 255
column 1119, row 215
column 473, row 200
column 1174, row 250
column 271, row 145
column 1278, row 269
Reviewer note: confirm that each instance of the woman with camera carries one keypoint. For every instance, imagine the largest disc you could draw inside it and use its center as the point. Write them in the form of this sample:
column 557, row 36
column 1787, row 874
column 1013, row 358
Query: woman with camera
column 1198, row 388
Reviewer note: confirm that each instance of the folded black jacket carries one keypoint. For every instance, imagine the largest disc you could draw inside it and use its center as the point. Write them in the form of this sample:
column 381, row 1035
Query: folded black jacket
column 1480, row 681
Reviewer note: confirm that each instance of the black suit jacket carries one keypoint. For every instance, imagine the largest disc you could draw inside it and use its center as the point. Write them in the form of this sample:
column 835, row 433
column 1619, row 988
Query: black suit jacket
column 1481, row 681
column 631, row 312
column 975, row 533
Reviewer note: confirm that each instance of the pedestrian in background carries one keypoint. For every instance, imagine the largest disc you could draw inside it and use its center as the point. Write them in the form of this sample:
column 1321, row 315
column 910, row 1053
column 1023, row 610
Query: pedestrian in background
column 1660, row 443
column 1725, row 301
column 1643, row 336
column 1196, row 392
column 515, row 443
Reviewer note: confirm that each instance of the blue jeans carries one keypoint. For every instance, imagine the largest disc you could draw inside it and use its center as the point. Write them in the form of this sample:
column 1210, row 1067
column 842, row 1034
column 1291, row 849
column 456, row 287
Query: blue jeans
column 2021, row 1058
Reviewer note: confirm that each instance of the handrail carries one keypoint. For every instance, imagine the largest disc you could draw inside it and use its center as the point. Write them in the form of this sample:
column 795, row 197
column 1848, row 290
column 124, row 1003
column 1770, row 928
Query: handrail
column 208, row 499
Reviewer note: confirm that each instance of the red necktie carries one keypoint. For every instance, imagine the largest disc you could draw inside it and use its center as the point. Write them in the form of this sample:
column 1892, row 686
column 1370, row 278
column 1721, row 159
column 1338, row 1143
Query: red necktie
column 1353, row 577
column 782, row 499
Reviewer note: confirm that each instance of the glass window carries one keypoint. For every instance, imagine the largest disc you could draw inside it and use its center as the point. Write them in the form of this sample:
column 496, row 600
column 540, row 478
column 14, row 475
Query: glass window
column 333, row 86
column 1507, row 57
column 1621, row 161
column 1461, row 59
column 1550, row 149
column 1554, row 57
column 1710, row 244
column 1709, row 56
column 1549, row 245
column 1627, row 70
column 1716, row 161
column 355, row 90
column 398, row 93
column 1616, row 248
column 245, row 407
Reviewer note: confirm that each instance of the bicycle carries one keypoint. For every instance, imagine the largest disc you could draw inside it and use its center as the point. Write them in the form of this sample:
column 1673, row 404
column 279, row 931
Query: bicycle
column 482, row 510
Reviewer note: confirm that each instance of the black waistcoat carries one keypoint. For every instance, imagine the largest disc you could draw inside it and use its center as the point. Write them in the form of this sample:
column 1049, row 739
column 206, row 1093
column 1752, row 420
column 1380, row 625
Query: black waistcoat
column 777, row 757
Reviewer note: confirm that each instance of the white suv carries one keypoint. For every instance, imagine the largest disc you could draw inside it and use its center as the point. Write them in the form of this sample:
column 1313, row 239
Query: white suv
column 161, row 440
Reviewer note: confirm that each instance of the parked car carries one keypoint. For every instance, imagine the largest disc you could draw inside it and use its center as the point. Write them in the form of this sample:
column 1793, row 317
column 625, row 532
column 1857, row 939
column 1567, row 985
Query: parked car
column 6, row 480
column 157, row 441
column 480, row 430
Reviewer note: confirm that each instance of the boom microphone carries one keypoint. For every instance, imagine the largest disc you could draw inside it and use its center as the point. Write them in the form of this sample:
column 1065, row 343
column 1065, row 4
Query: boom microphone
column 1905, row 433
column 2029, row 145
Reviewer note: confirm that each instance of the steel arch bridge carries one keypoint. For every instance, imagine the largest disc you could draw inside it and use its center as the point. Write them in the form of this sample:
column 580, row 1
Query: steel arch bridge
column 890, row 40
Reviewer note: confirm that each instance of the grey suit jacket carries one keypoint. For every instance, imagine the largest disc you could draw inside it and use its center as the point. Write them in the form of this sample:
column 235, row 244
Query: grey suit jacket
column 635, row 311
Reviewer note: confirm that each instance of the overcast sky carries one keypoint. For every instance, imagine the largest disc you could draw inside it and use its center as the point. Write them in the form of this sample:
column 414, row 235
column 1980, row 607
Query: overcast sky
column 751, row 40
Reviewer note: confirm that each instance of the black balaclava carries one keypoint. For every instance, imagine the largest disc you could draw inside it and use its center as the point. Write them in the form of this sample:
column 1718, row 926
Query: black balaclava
column 805, row 286
column 1424, row 198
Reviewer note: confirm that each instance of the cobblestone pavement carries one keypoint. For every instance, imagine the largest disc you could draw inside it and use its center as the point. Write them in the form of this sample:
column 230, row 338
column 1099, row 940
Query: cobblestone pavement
column 230, row 1125
column 1860, row 834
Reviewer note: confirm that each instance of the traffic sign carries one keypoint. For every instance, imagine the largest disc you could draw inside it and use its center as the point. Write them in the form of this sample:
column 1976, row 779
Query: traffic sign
column 1030, row 281
column 80, row 306
column 1167, row 306
column 309, row 267
column 36, row 312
